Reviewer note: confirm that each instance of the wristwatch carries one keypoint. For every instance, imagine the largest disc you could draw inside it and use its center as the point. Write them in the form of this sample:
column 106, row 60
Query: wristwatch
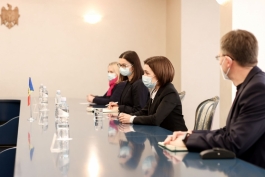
column 185, row 138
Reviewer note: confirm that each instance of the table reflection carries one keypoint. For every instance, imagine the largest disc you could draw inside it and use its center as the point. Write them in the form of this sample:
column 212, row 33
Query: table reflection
column 61, row 145
column 113, row 132
column 43, row 120
column 31, row 146
column 98, row 123
column 132, row 142
column 130, row 151
column 157, row 164
column 229, row 167
column 63, row 157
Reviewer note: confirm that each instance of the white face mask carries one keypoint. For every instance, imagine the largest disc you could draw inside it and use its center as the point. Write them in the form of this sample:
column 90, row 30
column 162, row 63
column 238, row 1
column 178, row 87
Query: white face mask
column 225, row 75
column 111, row 76
column 125, row 71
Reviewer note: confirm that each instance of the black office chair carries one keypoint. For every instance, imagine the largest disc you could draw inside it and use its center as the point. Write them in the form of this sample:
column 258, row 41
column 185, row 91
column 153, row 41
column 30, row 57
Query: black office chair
column 182, row 95
column 7, row 162
column 205, row 113
column 8, row 110
column 8, row 134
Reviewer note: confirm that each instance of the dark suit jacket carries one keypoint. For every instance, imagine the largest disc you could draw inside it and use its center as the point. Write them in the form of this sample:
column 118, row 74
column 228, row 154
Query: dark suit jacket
column 165, row 111
column 115, row 96
column 134, row 97
column 244, row 133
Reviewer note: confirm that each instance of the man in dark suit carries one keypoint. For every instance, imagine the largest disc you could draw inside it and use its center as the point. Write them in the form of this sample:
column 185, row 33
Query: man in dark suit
column 244, row 133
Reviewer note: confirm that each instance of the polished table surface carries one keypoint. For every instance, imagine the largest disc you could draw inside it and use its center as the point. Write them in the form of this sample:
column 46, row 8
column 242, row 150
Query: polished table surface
column 103, row 147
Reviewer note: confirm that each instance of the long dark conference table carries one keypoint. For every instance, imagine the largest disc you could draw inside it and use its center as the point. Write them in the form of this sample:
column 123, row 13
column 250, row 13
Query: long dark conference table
column 103, row 147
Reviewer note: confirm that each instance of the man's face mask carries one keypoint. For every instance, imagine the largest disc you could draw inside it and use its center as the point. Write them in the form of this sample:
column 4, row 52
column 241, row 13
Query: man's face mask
column 225, row 75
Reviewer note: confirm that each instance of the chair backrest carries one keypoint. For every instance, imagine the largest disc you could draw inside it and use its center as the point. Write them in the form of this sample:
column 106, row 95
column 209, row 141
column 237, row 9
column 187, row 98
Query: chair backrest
column 7, row 162
column 8, row 110
column 182, row 95
column 205, row 113
column 8, row 132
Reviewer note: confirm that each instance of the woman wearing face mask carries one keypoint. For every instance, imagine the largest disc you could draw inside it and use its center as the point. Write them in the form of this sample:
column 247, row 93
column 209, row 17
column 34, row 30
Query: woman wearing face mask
column 164, row 108
column 135, row 95
column 115, row 87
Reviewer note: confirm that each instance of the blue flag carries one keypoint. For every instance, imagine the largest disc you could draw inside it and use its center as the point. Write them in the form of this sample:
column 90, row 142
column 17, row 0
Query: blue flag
column 30, row 85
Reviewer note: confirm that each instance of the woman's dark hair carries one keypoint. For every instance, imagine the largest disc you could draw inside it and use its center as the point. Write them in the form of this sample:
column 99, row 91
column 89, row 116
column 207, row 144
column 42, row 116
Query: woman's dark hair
column 132, row 57
column 162, row 68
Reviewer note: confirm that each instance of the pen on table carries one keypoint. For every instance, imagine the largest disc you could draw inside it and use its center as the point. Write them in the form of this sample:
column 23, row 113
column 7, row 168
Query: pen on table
column 108, row 104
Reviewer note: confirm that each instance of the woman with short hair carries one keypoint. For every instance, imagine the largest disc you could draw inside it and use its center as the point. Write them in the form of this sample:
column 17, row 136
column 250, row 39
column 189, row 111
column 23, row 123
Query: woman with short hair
column 164, row 108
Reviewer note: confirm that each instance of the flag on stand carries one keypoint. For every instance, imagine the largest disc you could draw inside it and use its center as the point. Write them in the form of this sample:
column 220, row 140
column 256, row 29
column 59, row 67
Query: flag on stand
column 30, row 89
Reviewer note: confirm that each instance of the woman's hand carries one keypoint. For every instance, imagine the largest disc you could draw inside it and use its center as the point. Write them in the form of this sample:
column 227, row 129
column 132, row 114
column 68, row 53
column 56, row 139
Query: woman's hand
column 112, row 116
column 175, row 135
column 124, row 118
column 90, row 98
column 112, row 105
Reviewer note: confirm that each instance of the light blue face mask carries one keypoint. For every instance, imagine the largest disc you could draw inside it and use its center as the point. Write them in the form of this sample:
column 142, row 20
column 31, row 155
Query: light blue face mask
column 111, row 76
column 148, row 163
column 125, row 151
column 148, row 82
column 125, row 71
column 112, row 131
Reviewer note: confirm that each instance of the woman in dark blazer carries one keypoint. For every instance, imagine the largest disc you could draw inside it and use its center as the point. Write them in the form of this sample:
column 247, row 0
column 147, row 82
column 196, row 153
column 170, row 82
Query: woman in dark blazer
column 116, row 87
column 164, row 108
column 135, row 95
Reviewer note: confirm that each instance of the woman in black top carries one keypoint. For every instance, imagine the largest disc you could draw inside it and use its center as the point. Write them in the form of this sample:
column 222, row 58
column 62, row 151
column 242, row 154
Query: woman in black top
column 135, row 95
column 164, row 108
column 116, row 87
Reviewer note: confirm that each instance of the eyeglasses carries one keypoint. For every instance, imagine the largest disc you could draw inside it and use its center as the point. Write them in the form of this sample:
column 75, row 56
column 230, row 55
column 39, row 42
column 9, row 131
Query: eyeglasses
column 219, row 56
column 123, row 65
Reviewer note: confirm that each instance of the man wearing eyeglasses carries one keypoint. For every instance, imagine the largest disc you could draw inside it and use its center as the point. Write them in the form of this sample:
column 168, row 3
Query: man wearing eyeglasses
column 244, row 133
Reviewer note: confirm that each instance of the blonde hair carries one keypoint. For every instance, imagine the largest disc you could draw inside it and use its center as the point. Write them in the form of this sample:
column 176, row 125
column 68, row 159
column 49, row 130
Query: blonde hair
column 114, row 66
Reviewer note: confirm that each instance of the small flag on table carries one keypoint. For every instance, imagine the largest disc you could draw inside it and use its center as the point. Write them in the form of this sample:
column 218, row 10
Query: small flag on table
column 30, row 89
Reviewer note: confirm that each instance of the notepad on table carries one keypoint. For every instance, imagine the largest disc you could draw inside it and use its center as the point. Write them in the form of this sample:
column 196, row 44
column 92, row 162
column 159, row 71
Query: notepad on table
column 172, row 147
column 105, row 110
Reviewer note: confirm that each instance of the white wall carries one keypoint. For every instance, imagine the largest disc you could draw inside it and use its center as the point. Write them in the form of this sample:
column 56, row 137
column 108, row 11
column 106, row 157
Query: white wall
column 252, row 21
column 54, row 45
column 173, row 39
column 225, row 86
column 200, row 35
column 249, row 15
